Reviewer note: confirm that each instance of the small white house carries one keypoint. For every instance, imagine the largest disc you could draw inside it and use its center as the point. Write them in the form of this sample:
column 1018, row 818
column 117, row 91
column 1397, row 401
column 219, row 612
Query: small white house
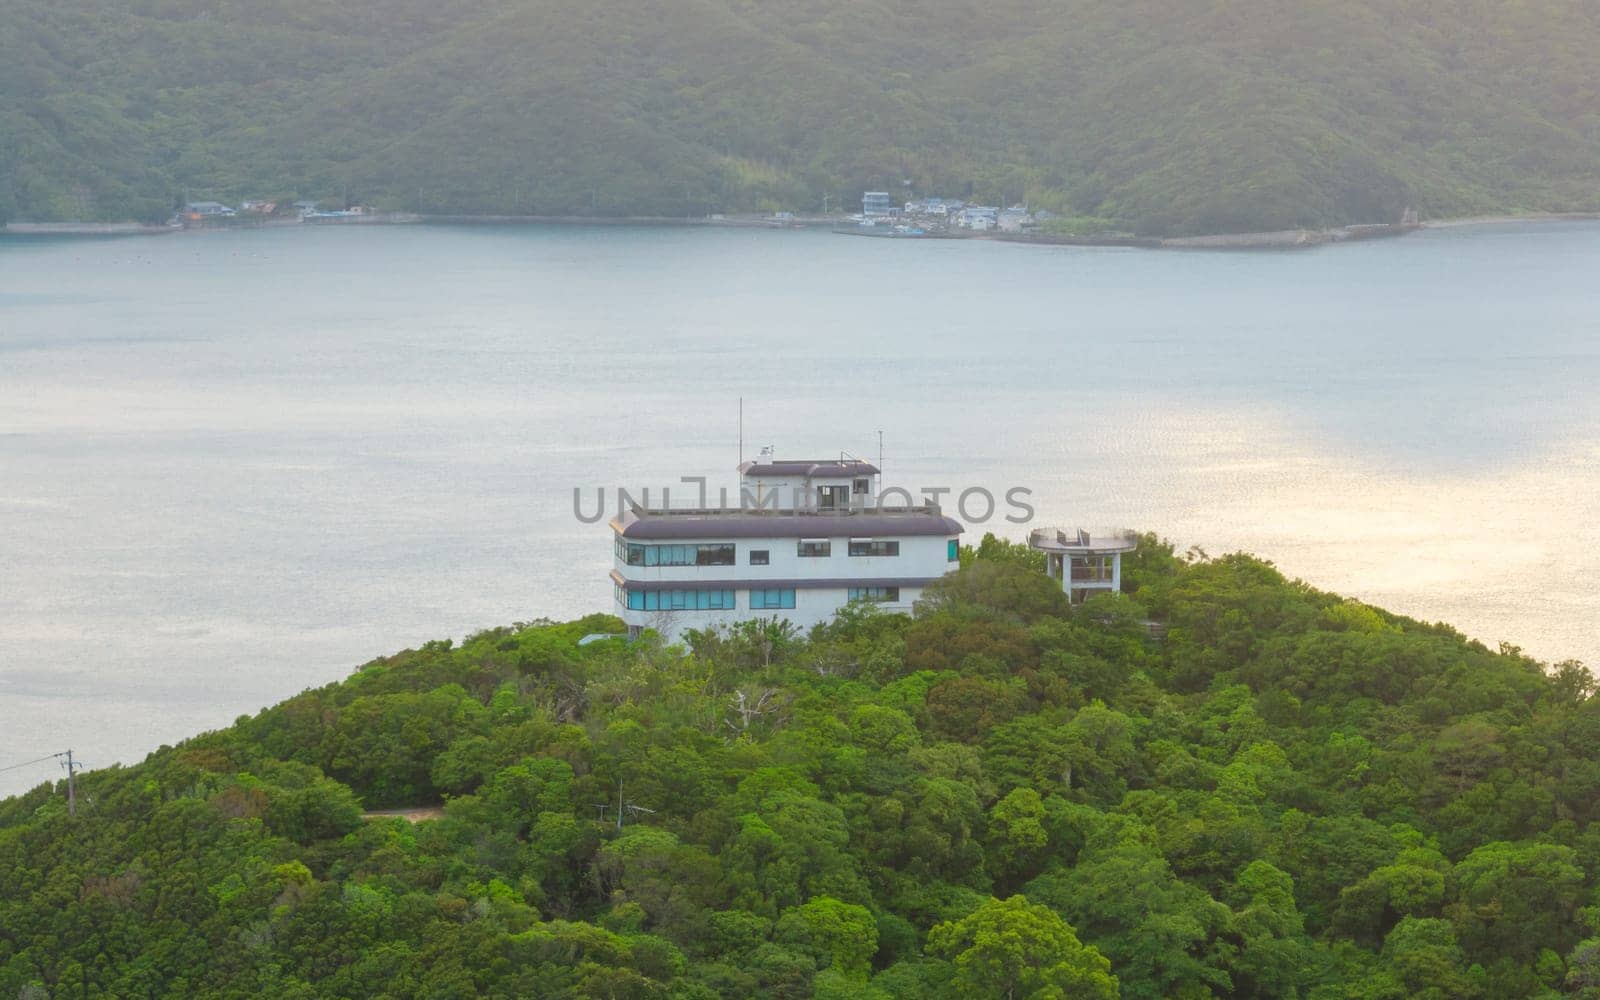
column 807, row 538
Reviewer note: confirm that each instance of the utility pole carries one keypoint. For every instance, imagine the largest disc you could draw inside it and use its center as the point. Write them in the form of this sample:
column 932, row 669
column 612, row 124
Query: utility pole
column 72, row 766
column 72, row 784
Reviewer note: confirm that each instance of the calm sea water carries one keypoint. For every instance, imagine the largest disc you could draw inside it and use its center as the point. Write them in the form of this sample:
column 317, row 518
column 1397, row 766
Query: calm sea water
column 236, row 465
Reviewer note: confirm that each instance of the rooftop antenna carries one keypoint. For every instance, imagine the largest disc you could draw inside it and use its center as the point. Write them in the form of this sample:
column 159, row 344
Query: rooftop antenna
column 741, row 430
column 880, row 452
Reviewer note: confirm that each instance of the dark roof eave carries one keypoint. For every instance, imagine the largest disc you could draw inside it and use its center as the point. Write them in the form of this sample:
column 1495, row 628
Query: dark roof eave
column 786, row 583
column 781, row 525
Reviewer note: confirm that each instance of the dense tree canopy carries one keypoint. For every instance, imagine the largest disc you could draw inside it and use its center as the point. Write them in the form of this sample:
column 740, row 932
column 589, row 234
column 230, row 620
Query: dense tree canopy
column 1164, row 117
column 1276, row 793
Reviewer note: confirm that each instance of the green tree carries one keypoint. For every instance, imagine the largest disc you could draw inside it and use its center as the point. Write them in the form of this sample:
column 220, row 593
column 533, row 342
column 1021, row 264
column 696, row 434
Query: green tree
column 841, row 936
column 1017, row 950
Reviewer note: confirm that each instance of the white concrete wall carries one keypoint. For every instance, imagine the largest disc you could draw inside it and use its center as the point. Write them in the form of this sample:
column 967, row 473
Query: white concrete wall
column 920, row 556
column 791, row 490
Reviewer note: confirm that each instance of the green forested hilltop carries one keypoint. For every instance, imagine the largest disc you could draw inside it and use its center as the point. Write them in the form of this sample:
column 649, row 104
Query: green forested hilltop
column 1222, row 115
column 1288, row 795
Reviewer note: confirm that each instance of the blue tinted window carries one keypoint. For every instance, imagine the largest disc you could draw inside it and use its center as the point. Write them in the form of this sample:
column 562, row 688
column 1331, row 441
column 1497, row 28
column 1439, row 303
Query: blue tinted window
column 771, row 599
column 886, row 594
column 681, row 600
column 716, row 554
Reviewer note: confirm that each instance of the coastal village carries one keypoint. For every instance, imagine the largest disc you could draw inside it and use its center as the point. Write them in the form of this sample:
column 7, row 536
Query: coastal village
column 252, row 212
column 951, row 218
column 933, row 216
column 881, row 216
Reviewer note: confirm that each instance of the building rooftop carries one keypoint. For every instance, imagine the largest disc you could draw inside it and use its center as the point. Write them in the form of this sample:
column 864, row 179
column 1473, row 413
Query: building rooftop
column 826, row 468
column 642, row 524
column 1079, row 541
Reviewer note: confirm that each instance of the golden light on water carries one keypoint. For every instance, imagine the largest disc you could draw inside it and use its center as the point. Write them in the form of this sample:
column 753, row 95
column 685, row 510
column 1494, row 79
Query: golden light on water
column 1502, row 554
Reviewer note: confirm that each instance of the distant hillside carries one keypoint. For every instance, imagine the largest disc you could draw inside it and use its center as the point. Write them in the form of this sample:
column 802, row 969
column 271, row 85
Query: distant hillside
column 1164, row 117
column 1279, row 794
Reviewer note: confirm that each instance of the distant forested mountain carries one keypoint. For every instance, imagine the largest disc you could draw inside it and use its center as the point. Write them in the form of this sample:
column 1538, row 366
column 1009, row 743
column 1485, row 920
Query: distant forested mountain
column 1163, row 116
column 1272, row 793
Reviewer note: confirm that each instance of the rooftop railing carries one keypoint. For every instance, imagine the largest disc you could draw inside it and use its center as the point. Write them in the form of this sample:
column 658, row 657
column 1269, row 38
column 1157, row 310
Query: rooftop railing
column 1080, row 538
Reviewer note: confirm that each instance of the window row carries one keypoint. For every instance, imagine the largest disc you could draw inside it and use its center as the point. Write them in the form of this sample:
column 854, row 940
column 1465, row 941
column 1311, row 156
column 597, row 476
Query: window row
column 761, row 599
column 724, row 553
column 888, row 595
column 873, row 547
column 858, row 547
column 634, row 554
column 680, row 600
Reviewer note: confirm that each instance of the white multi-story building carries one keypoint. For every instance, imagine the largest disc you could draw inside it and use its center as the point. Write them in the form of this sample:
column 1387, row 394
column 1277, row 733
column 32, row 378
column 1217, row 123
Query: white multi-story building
column 876, row 204
column 807, row 538
column 1085, row 564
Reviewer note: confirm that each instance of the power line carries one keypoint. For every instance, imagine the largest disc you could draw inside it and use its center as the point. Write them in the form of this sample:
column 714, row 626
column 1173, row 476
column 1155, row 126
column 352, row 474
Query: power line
column 72, row 766
column 30, row 763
